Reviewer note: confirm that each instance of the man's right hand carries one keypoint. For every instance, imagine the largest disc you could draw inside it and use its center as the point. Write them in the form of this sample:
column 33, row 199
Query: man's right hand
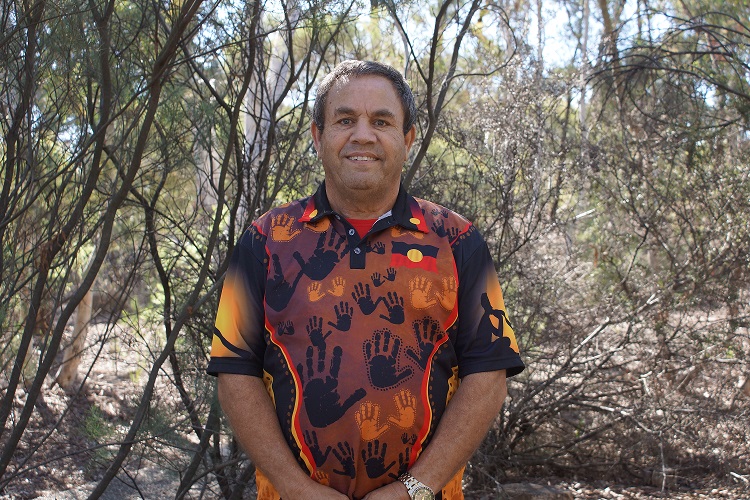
column 312, row 491
column 253, row 419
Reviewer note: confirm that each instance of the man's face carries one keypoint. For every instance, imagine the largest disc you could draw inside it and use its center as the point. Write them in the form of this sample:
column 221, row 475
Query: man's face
column 362, row 144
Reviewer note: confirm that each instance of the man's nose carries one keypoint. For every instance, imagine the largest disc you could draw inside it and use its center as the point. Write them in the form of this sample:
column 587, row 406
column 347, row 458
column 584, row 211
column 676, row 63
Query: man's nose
column 363, row 132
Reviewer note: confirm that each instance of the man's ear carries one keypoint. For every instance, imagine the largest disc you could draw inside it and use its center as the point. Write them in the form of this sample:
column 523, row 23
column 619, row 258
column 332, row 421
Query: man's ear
column 409, row 138
column 315, row 131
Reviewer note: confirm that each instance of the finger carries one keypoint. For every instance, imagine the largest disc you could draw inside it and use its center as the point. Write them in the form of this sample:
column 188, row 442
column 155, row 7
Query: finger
column 309, row 357
column 321, row 360
column 386, row 340
column 336, row 361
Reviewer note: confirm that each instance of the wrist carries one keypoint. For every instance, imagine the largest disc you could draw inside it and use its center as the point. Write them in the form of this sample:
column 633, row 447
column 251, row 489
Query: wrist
column 417, row 489
column 295, row 486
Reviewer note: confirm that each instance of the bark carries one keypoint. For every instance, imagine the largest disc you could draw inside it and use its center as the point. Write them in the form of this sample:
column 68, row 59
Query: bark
column 73, row 353
column 189, row 10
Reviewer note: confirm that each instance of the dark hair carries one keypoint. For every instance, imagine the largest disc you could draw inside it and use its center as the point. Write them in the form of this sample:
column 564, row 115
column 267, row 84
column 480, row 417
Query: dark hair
column 354, row 68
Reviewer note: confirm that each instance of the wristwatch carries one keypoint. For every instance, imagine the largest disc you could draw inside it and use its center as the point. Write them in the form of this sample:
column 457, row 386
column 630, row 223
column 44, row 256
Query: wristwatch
column 417, row 489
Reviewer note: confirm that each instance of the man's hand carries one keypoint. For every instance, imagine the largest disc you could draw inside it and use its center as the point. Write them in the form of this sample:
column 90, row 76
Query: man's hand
column 252, row 416
column 315, row 491
column 393, row 491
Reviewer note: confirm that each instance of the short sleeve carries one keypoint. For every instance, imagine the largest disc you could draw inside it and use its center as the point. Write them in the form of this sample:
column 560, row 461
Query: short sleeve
column 238, row 344
column 485, row 340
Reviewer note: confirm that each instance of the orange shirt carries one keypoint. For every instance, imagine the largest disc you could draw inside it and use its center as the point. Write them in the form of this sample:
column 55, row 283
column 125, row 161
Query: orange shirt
column 361, row 339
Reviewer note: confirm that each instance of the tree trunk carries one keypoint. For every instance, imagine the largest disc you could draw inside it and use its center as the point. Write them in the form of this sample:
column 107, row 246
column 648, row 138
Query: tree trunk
column 72, row 354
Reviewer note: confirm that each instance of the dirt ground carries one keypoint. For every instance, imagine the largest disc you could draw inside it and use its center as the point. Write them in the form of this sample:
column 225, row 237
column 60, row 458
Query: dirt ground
column 64, row 453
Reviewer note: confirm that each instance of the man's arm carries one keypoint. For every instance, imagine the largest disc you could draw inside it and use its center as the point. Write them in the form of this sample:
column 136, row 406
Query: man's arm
column 252, row 416
column 464, row 425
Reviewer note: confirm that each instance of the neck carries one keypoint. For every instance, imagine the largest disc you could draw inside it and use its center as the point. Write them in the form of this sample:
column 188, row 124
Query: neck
column 363, row 204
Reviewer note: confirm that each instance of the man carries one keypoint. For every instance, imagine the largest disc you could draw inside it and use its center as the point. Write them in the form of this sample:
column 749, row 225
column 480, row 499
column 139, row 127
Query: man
column 349, row 320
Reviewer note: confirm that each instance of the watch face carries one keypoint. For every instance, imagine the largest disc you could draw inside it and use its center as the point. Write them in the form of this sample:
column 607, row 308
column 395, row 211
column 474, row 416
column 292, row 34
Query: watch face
column 423, row 494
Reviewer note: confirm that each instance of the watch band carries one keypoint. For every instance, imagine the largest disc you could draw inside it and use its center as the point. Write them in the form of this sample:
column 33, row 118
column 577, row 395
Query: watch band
column 416, row 488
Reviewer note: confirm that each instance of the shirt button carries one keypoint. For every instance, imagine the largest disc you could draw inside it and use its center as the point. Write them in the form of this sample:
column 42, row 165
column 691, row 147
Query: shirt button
column 351, row 232
column 357, row 251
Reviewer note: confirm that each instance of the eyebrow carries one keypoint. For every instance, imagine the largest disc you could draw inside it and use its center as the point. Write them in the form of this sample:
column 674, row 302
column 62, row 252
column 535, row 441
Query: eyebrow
column 344, row 110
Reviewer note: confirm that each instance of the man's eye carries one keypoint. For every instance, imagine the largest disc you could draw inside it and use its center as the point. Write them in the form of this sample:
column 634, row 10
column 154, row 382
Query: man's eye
column 380, row 123
column 345, row 121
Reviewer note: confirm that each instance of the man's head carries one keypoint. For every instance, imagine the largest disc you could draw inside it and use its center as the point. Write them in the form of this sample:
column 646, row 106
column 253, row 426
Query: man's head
column 363, row 134
column 353, row 69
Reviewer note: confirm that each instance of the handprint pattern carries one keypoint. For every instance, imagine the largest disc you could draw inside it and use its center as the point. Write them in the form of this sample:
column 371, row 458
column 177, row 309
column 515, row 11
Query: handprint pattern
column 320, row 456
column 406, row 409
column 282, row 228
column 324, row 258
column 315, row 332
column 344, row 314
column 360, row 374
column 382, row 358
column 427, row 332
column 374, row 459
column 345, row 455
column 419, row 291
column 368, row 421
column 395, row 305
column 403, row 464
column 320, row 389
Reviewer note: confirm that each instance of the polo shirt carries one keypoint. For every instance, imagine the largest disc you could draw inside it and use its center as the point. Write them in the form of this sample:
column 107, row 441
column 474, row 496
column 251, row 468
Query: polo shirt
column 361, row 339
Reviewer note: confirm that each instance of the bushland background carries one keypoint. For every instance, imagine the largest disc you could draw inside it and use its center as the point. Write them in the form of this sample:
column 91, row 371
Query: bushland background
column 602, row 147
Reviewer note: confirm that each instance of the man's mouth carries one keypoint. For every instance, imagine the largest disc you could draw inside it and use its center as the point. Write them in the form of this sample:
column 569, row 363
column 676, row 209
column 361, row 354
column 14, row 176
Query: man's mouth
column 362, row 158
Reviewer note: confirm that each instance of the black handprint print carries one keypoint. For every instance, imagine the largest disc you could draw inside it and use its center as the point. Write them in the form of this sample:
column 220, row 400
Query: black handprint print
column 374, row 459
column 403, row 464
column 439, row 227
column 378, row 248
column 278, row 291
column 322, row 261
column 382, row 356
column 315, row 331
column 391, row 274
column 408, row 439
column 285, row 328
column 345, row 455
column 395, row 305
column 344, row 314
column 453, row 233
column 361, row 295
column 427, row 332
column 377, row 279
column 321, row 398
column 311, row 438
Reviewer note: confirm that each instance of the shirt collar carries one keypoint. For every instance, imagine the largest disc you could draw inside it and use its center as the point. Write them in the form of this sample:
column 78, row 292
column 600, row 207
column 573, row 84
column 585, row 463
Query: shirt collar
column 406, row 212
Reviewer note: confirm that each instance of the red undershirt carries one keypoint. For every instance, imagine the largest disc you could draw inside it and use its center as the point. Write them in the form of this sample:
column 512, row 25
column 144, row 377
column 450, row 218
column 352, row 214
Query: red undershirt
column 362, row 225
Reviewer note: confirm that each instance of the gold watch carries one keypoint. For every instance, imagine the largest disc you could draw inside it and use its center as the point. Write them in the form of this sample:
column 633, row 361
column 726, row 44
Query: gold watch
column 417, row 489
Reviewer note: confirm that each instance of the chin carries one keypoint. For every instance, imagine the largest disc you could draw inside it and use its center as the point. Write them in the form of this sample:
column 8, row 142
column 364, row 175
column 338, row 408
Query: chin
column 362, row 185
